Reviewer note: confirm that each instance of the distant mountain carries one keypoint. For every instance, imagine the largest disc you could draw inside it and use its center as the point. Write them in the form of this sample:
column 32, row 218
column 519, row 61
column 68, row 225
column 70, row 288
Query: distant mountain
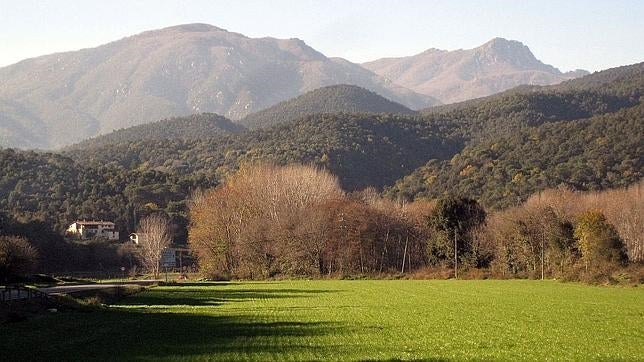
column 62, row 98
column 453, row 76
column 194, row 127
column 332, row 99
column 620, row 86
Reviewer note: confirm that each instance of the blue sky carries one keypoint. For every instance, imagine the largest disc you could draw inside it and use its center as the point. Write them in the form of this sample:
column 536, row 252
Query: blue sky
column 568, row 34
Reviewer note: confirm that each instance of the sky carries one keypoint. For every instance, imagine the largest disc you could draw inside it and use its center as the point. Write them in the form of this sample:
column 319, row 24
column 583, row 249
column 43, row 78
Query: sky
column 569, row 34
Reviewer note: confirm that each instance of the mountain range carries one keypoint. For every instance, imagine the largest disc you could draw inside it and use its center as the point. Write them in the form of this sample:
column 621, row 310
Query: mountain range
column 454, row 76
column 62, row 98
column 59, row 99
column 584, row 134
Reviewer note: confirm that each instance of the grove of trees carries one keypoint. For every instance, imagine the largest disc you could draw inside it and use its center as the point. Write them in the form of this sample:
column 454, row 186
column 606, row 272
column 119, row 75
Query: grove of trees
column 269, row 221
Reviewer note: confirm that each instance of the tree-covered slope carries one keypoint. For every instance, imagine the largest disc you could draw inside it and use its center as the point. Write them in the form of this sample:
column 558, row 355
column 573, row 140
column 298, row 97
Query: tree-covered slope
column 333, row 99
column 585, row 134
column 198, row 126
column 361, row 149
column 55, row 189
column 127, row 180
column 602, row 152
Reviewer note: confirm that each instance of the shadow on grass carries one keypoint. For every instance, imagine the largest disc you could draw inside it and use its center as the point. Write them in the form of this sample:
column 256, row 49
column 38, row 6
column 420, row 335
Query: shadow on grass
column 134, row 333
column 186, row 295
column 199, row 284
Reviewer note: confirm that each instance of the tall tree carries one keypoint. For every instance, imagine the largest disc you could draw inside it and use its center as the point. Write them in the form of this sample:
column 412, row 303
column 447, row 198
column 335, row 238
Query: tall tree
column 154, row 236
column 456, row 217
column 598, row 241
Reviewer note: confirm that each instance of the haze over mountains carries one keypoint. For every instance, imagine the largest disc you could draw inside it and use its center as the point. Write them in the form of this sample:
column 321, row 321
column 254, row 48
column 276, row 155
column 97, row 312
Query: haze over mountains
column 454, row 76
column 59, row 99
column 62, row 98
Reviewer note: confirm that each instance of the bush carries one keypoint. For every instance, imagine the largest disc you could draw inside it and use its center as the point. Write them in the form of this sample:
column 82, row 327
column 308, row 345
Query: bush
column 17, row 257
column 601, row 247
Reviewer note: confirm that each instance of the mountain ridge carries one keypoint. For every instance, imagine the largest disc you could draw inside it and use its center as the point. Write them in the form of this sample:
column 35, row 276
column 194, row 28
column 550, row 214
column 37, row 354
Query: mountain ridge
column 462, row 74
column 175, row 71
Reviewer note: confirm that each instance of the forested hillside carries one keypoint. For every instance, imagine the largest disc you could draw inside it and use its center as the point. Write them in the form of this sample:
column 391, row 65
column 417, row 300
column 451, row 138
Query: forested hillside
column 126, row 180
column 56, row 190
column 588, row 154
column 194, row 127
column 585, row 133
column 361, row 149
column 333, row 99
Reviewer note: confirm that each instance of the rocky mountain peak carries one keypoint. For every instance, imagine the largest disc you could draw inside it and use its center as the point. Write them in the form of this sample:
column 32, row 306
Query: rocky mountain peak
column 515, row 53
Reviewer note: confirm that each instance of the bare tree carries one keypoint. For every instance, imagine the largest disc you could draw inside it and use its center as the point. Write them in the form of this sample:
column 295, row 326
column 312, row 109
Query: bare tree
column 254, row 224
column 154, row 237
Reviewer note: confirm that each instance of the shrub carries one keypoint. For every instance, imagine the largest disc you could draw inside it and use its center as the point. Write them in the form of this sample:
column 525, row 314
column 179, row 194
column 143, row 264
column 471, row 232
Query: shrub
column 600, row 245
column 17, row 256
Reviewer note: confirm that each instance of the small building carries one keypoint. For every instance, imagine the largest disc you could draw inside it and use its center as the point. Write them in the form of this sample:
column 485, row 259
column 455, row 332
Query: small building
column 93, row 229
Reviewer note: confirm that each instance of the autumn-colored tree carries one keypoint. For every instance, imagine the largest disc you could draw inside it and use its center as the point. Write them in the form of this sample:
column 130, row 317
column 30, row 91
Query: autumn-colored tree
column 253, row 225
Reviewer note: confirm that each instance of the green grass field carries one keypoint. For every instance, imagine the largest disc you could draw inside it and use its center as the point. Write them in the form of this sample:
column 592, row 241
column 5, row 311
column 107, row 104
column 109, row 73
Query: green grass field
column 346, row 320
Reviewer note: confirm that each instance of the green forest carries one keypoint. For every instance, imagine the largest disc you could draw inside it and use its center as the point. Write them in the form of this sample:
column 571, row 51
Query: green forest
column 341, row 98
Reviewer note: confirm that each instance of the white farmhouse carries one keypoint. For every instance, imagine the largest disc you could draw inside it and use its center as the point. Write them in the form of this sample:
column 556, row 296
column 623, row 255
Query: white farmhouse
column 93, row 229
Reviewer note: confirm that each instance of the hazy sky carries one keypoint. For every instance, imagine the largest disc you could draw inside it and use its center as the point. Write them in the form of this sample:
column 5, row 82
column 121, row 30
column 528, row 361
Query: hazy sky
column 568, row 34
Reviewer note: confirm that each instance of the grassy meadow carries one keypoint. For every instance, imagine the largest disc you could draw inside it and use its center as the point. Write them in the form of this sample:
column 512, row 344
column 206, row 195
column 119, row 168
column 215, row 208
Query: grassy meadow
column 345, row 320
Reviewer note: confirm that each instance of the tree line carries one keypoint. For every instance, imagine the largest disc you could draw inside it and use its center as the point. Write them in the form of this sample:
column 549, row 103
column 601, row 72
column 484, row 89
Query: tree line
column 267, row 221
